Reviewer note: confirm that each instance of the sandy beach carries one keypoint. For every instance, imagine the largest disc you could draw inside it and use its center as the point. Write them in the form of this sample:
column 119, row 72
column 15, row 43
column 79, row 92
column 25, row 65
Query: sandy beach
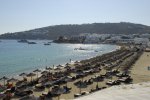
column 139, row 71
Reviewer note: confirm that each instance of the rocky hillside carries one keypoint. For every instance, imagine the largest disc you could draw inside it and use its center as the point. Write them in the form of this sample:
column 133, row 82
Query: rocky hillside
column 52, row 32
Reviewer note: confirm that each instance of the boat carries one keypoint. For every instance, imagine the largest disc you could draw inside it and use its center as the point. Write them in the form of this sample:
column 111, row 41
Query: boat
column 23, row 41
column 47, row 44
column 80, row 48
column 95, row 51
column 31, row 42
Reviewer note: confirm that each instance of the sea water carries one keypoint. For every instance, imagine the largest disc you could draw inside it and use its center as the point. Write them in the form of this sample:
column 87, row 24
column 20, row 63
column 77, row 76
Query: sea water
column 18, row 57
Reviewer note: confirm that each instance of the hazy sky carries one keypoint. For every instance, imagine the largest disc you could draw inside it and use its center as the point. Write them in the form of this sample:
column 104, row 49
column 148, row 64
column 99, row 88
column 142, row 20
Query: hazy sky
column 20, row 15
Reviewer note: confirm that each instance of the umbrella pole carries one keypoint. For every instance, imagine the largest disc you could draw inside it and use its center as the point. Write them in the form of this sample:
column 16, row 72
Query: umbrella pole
column 37, row 75
column 53, row 67
column 58, row 97
column 80, row 85
column 97, row 85
column 97, row 82
column 31, row 78
column 4, row 82
column 80, row 89
column 49, row 72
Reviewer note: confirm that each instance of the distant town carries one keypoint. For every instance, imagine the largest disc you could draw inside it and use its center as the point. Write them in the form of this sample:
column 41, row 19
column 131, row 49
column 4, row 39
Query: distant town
column 92, row 38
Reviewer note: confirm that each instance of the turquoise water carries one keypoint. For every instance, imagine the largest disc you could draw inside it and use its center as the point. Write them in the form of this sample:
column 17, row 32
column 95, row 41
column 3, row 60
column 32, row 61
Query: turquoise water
column 22, row 57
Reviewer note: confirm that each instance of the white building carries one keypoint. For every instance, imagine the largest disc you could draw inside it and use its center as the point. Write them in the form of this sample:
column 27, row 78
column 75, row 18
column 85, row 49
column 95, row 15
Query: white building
column 143, row 41
column 104, row 36
column 115, row 38
column 146, row 35
column 92, row 38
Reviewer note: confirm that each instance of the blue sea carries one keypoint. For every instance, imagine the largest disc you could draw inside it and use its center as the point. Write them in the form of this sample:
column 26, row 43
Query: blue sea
column 18, row 57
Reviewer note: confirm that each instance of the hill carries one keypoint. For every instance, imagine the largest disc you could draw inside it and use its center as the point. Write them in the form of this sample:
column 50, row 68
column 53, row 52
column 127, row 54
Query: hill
column 52, row 32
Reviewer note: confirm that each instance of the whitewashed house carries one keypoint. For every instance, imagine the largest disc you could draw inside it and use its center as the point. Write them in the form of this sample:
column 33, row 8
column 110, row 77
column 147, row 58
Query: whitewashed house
column 92, row 38
column 146, row 35
column 143, row 41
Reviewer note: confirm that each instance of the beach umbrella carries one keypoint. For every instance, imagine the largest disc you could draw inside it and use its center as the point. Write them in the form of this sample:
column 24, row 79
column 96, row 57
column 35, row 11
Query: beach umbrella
column 49, row 68
column 23, row 74
column 67, row 64
column 44, row 72
column 59, row 66
column 37, row 71
column 4, row 79
column 31, row 75
column 67, row 79
column 12, row 80
column 59, row 92
column 76, row 62
column 97, row 80
column 81, row 83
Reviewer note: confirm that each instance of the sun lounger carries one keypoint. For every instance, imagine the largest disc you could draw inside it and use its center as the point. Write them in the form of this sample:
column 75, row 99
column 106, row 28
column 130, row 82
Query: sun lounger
column 77, row 95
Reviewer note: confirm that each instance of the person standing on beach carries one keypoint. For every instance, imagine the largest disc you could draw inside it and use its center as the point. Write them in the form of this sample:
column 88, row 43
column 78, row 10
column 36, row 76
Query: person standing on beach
column 70, row 60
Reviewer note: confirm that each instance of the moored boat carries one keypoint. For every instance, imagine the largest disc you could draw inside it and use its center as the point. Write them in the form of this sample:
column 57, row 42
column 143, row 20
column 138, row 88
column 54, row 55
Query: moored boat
column 47, row 44
column 23, row 41
column 31, row 42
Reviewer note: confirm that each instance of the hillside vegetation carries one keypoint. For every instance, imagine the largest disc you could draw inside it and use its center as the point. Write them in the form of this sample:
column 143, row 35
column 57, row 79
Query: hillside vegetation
column 52, row 32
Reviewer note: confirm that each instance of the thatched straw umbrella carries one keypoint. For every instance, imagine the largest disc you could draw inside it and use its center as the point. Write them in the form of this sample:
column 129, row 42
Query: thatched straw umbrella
column 59, row 94
column 44, row 73
column 59, row 91
column 81, row 85
column 4, row 79
column 31, row 75
column 97, row 80
column 12, row 80
column 59, row 66
column 49, row 68
column 23, row 75
column 67, row 64
column 68, row 79
column 37, row 71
